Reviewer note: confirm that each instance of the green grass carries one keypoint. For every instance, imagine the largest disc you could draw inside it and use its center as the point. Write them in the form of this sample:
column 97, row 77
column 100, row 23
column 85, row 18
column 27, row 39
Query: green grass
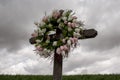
column 70, row 77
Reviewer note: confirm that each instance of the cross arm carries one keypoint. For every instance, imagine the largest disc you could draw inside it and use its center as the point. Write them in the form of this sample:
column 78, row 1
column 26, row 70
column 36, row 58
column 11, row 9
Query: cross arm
column 86, row 34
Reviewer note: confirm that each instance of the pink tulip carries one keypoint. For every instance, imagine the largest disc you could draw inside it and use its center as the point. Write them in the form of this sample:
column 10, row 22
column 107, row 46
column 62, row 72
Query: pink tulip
column 65, row 48
column 61, row 48
column 56, row 14
column 45, row 19
column 72, row 40
column 73, row 25
column 74, row 17
column 39, row 48
column 34, row 34
column 75, row 39
column 65, row 22
column 69, row 24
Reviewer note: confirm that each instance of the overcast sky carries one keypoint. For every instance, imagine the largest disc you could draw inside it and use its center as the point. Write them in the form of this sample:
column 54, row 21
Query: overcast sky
column 92, row 56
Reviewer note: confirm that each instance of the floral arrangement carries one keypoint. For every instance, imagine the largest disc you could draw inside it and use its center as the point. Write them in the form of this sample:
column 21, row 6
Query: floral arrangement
column 57, row 33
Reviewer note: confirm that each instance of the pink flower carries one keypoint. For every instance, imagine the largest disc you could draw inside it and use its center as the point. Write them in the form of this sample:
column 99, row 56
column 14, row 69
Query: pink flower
column 65, row 22
column 34, row 34
column 72, row 40
column 73, row 25
column 69, row 24
column 56, row 14
column 58, row 51
column 45, row 19
column 39, row 48
column 65, row 48
column 75, row 39
column 61, row 48
column 74, row 17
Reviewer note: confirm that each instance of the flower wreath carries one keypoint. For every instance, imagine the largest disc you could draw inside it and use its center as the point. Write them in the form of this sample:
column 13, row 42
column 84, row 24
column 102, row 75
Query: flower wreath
column 57, row 33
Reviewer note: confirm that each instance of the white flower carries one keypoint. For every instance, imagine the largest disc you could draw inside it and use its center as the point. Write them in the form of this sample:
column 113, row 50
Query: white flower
column 64, row 13
column 59, row 20
column 76, row 35
column 63, row 53
column 55, row 43
column 40, row 32
column 42, row 23
column 77, row 30
column 69, row 42
column 47, row 41
column 50, row 25
column 48, row 51
column 37, row 24
column 69, row 29
column 38, row 41
column 58, row 51
column 44, row 30
column 74, row 20
column 51, row 32
column 82, row 28
column 64, row 18
column 70, row 18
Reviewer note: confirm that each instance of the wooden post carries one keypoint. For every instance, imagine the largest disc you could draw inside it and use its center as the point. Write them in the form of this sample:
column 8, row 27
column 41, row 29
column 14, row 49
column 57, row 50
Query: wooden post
column 57, row 68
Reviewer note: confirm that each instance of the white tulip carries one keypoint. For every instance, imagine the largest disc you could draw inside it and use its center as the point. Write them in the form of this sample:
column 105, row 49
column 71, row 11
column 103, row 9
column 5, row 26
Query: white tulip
column 69, row 42
column 79, row 35
column 42, row 23
column 75, row 34
column 51, row 32
column 64, row 13
column 47, row 41
column 38, row 41
column 50, row 25
column 55, row 43
column 40, row 32
column 63, row 53
column 77, row 30
column 70, row 18
column 69, row 29
column 59, row 20
column 74, row 20
column 64, row 18
column 43, row 30
column 48, row 51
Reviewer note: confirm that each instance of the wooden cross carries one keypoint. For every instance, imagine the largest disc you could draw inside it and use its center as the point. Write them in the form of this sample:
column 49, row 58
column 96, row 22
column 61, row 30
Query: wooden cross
column 58, row 59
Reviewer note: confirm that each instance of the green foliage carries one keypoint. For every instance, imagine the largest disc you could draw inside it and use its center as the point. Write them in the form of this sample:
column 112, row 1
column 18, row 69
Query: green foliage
column 58, row 32
column 70, row 77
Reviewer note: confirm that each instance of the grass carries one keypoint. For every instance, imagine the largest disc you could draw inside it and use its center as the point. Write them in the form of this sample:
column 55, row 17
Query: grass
column 70, row 77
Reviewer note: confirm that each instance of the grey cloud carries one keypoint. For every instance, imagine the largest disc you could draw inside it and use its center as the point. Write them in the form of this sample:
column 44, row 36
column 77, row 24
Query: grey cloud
column 80, row 61
column 104, row 17
column 17, row 18
column 16, row 25
column 94, row 62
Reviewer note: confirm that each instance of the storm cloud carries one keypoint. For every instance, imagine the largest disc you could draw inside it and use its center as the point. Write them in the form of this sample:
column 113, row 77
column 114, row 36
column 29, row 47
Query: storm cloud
column 97, row 55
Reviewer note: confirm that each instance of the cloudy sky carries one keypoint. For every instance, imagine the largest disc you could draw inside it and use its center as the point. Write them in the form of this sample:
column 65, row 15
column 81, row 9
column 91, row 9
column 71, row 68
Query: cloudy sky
column 92, row 56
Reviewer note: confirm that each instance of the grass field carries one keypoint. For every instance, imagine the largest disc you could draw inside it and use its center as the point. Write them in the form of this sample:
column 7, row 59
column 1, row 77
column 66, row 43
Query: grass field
column 70, row 77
